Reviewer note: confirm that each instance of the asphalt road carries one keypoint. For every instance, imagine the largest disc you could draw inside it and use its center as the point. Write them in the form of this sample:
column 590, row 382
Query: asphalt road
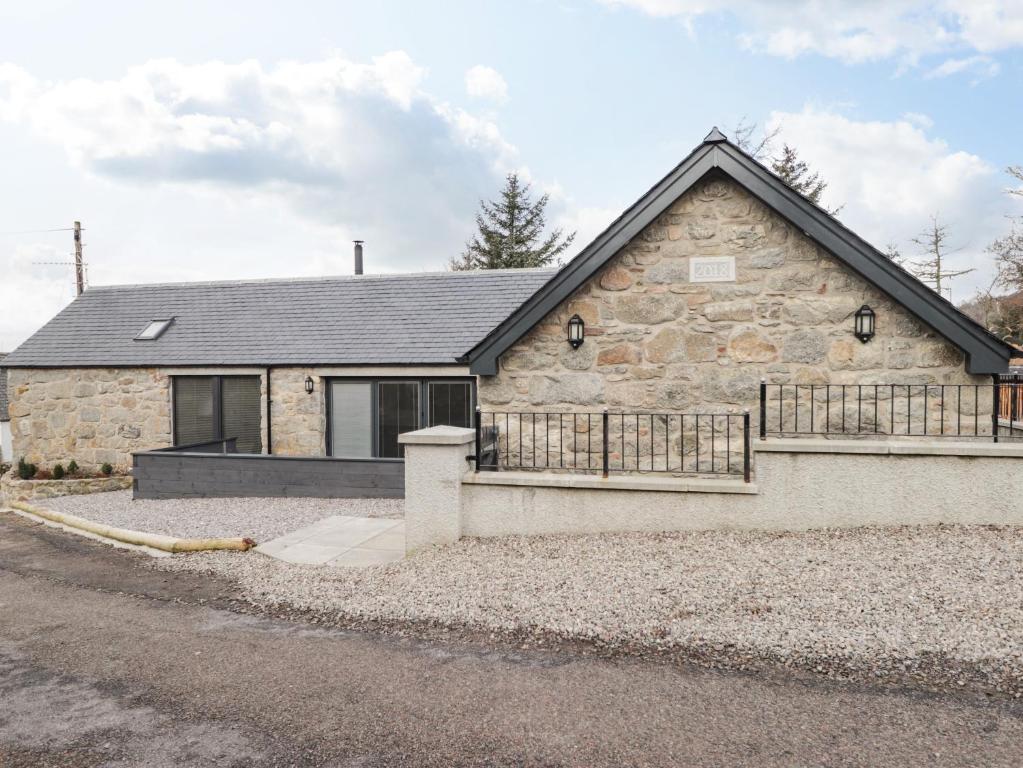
column 106, row 662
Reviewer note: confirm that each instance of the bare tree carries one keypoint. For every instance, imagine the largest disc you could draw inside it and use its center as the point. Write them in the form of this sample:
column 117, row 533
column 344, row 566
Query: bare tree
column 1002, row 315
column 1008, row 250
column 933, row 243
column 892, row 252
column 746, row 138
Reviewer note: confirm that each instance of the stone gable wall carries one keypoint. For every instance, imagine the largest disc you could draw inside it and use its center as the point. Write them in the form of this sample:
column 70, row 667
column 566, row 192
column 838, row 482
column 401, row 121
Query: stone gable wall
column 656, row 342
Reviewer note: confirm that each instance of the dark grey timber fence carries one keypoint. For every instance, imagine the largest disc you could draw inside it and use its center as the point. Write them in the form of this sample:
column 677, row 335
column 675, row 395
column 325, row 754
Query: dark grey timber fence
column 606, row 442
column 185, row 472
column 964, row 411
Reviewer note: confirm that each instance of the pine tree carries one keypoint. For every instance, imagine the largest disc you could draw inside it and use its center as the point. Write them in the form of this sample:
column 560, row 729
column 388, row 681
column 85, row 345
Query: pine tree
column 510, row 233
column 796, row 173
column 934, row 248
column 789, row 168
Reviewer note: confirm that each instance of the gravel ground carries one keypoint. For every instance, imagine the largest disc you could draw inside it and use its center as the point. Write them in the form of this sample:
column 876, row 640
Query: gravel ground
column 938, row 604
column 259, row 519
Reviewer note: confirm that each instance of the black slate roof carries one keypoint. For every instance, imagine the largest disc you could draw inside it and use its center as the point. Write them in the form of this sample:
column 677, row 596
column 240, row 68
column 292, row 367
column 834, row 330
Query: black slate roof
column 4, row 416
column 426, row 318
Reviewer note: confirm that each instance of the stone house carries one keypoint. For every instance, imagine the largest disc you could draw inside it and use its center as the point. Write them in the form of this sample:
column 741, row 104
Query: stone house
column 308, row 367
column 717, row 278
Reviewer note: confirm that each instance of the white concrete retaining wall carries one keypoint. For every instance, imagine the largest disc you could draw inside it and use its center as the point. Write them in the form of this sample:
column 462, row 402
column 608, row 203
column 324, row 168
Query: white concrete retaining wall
column 799, row 484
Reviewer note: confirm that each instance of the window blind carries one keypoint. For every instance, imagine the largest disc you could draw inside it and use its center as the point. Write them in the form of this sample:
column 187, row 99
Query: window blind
column 193, row 410
column 398, row 412
column 240, row 411
column 351, row 419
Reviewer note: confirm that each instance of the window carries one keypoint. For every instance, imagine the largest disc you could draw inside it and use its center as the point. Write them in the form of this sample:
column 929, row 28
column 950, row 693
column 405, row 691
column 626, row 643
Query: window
column 397, row 412
column 351, row 419
column 208, row 408
column 366, row 416
column 193, row 410
column 450, row 403
column 154, row 330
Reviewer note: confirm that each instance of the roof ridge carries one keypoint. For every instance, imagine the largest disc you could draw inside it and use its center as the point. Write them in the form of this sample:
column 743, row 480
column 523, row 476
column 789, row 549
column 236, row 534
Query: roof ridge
column 329, row 278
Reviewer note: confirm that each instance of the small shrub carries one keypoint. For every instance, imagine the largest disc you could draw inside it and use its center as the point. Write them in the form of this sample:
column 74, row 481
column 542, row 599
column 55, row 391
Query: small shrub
column 107, row 470
column 58, row 471
column 26, row 471
column 72, row 467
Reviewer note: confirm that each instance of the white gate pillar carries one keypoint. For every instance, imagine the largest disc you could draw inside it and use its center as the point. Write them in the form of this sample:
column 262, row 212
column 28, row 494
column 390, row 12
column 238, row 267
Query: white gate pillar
column 435, row 460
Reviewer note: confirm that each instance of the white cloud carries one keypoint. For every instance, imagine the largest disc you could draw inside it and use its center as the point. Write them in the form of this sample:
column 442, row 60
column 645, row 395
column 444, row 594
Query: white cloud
column 989, row 25
column 891, row 176
column 235, row 170
column 982, row 67
column 343, row 143
column 33, row 286
column 486, row 83
column 857, row 31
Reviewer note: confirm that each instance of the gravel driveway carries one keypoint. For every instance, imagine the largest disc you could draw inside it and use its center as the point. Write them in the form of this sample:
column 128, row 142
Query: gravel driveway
column 941, row 603
column 259, row 519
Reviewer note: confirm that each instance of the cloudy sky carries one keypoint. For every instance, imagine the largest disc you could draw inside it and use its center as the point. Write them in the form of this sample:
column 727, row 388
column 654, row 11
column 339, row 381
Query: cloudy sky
column 251, row 139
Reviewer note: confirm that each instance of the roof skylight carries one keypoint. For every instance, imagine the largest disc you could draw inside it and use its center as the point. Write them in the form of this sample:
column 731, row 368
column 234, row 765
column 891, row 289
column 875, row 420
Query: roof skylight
column 154, row 330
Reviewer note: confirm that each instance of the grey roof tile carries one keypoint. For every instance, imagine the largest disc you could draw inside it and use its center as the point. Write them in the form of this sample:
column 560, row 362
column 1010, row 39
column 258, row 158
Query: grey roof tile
column 427, row 318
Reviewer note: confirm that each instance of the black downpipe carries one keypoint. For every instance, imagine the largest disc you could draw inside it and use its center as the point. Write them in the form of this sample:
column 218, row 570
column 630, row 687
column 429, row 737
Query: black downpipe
column 269, row 431
column 996, row 405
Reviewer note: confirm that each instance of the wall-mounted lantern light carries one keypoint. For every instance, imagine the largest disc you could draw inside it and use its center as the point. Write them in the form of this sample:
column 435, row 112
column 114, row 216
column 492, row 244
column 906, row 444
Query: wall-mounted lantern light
column 309, row 386
column 864, row 324
column 576, row 331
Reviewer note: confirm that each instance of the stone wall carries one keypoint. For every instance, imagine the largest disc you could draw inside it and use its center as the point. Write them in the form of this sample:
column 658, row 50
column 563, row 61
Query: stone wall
column 656, row 342
column 299, row 419
column 13, row 488
column 92, row 415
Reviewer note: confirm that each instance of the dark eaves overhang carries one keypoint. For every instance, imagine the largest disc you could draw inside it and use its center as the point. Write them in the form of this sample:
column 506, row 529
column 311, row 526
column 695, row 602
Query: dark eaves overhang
column 985, row 353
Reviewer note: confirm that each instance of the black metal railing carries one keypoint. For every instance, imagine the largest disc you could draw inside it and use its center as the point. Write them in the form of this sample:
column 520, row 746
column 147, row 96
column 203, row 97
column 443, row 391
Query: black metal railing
column 894, row 410
column 224, row 445
column 606, row 442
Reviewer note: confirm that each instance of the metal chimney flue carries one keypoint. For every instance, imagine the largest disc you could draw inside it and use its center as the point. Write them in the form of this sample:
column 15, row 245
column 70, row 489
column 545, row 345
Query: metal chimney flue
column 358, row 256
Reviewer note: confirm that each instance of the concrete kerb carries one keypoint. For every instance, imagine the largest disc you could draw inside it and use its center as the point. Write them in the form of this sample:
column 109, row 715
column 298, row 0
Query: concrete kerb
column 138, row 538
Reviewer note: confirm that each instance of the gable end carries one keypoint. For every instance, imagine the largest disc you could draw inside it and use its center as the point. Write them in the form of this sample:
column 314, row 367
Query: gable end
column 985, row 353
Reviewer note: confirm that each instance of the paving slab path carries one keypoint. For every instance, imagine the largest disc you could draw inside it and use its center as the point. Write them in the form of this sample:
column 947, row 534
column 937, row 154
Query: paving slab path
column 106, row 662
column 341, row 541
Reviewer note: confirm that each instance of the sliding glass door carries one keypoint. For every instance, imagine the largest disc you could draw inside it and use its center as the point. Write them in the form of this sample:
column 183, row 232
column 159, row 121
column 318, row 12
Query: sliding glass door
column 397, row 412
column 208, row 408
column 351, row 418
column 366, row 416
